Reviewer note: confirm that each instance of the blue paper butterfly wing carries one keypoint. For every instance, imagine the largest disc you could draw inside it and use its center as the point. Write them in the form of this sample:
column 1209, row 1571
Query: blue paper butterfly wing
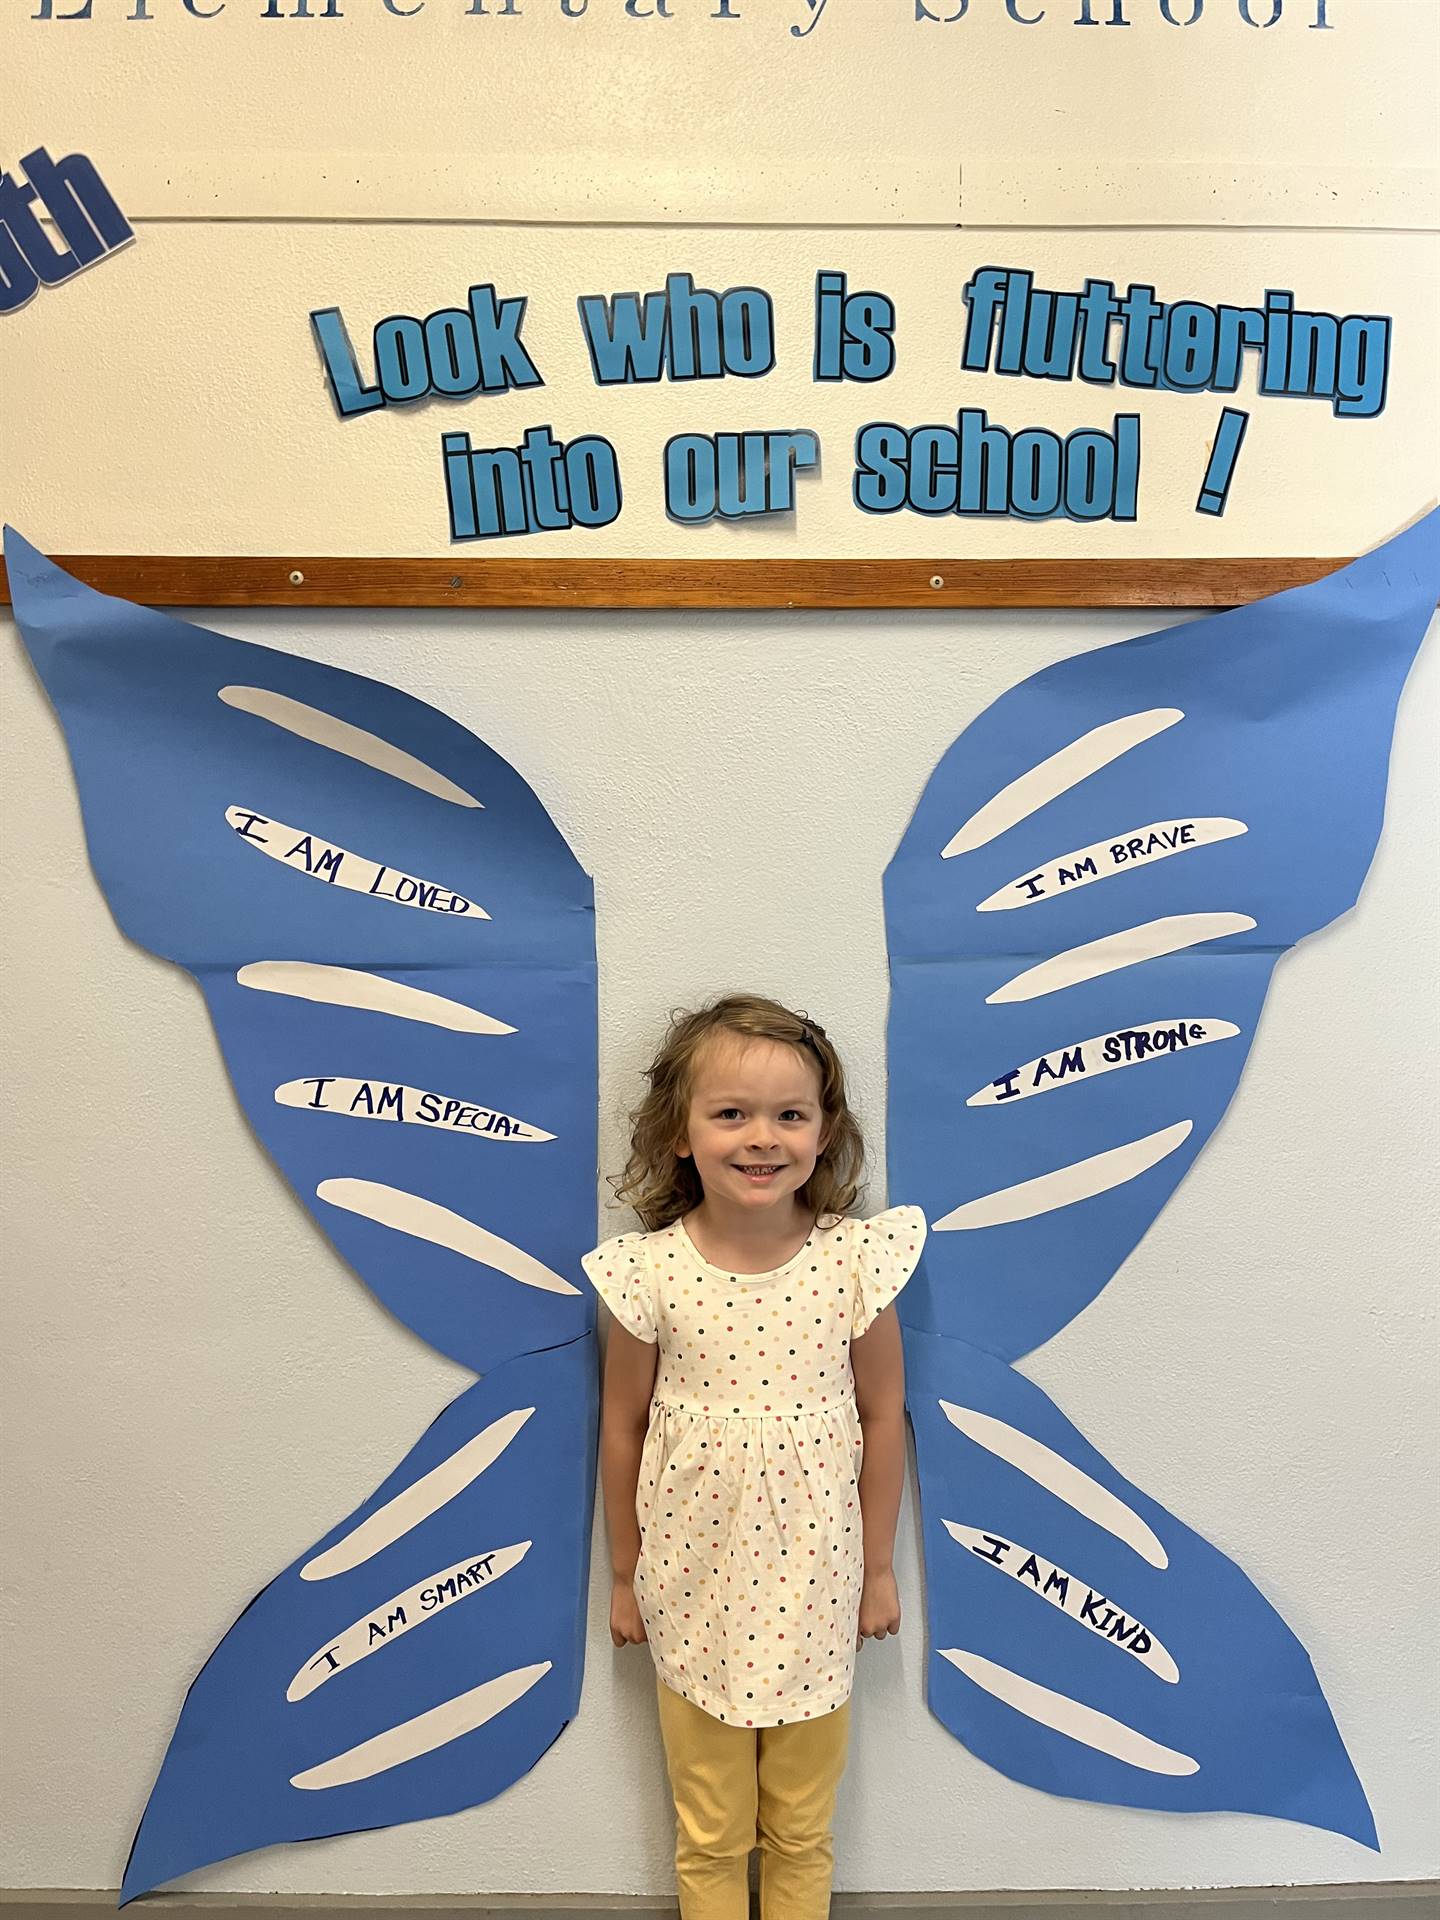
column 1267, row 728
column 479, row 1593
column 1042, row 1618
column 160, row 757
column 425, row 1077
column 1238, row 811
column 540, row 1074
column 1013, row 1282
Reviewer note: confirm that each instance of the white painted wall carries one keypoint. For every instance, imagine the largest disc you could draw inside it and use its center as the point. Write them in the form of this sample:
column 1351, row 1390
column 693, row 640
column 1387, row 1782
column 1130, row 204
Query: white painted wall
column 195, row 1388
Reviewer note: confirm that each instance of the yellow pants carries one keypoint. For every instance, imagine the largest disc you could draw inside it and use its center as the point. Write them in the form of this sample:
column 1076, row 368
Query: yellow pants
column 737, row 1788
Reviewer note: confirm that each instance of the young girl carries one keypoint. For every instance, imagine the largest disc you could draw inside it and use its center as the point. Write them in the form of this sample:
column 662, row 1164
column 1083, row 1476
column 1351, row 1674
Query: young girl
column 751, row 1362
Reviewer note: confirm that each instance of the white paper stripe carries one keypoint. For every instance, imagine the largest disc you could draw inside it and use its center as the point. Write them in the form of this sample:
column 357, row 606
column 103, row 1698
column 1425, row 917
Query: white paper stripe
column 410, row 1106
column 1040, row 784
column 1149, row 941
column 1069, row 1594
column 1072, row 1066
column 1065, row 1186
column 333, row 866
column 406, row 1509
column 1104, row 859
column 328, row 730
column 426, row 1600
column 427, row 1731
column 1059, row 1476
column 366, row 992
column 1072, row 1717
column 428, row 1220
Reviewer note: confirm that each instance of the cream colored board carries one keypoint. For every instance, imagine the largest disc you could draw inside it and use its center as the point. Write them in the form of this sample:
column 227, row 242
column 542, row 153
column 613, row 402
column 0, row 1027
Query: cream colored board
column 1222, row 191
column 870, row 116
column 171, row 399
column 899, row 191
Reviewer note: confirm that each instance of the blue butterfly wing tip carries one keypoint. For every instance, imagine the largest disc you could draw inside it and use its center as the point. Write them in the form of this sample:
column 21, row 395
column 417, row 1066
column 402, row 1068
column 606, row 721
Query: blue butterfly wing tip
column 37, row 585
column 1393, row 571
column 164, row 1850
column 22, row 561
column 1355, row 1821
column 133, row 1887
column 144, row 1872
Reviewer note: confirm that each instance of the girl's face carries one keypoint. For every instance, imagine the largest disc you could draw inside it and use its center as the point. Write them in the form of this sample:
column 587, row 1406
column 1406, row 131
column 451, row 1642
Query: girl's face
column 755, row 1127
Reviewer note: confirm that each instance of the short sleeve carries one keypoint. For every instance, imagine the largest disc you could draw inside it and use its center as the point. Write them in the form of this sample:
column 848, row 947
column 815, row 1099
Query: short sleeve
column 619, row 1271
column 887, row 1250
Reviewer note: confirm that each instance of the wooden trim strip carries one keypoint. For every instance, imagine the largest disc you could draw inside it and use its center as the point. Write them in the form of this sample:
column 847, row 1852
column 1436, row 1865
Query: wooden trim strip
column 218, row 580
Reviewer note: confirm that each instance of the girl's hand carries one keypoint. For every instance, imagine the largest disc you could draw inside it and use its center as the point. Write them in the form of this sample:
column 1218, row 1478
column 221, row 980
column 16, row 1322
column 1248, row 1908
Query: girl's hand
column 879, row 1605
column 626, row 1626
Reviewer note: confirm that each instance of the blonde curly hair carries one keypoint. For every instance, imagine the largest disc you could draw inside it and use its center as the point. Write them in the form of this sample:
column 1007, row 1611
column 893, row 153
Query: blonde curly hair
column 660, row 1185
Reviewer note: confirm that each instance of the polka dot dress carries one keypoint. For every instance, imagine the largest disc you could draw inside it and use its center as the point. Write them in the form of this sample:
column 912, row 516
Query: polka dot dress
column 751, row 1558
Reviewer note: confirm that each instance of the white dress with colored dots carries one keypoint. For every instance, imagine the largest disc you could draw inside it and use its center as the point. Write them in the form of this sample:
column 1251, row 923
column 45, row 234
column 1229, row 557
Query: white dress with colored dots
column 751, row 1548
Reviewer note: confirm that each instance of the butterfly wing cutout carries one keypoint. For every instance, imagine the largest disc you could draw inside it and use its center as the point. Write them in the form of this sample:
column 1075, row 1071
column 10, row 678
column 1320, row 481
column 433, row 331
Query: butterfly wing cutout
column 1085, row 911
column 397, row 950
column 1085, row 1641
column 420, row 1658
column 1083, row 919
column 395, row 943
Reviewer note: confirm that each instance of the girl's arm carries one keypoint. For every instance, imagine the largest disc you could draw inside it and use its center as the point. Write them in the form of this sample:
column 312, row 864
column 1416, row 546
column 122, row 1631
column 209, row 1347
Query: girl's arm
column 877, row 1359
column 624, row 1416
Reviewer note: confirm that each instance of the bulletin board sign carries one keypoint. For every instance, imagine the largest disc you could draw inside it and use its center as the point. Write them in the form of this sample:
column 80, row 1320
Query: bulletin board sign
column 350, row 301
